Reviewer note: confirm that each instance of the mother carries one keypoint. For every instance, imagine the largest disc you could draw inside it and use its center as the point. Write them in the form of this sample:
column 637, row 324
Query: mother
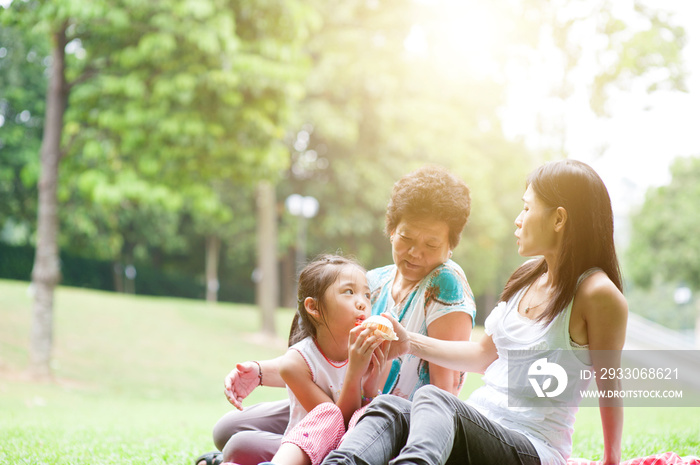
column 426, row 290
column 567, row 304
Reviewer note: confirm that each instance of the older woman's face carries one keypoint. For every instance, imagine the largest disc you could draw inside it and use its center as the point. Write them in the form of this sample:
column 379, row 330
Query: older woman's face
column 418, row 246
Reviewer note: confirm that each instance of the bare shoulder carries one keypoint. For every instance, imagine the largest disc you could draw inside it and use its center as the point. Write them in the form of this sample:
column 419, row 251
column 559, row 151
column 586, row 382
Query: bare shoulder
column 292, row 363
column 603, row 311
column 599, row 292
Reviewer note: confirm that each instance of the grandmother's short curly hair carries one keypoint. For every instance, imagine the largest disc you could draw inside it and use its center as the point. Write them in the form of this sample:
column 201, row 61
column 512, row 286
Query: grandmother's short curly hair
column 430, row 192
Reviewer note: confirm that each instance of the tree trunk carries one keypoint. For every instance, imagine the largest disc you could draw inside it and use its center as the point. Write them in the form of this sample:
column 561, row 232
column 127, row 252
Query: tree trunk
column 118, row 274
column 46, row 272
column 289, row 280
column 213, row 246
column 267, row 286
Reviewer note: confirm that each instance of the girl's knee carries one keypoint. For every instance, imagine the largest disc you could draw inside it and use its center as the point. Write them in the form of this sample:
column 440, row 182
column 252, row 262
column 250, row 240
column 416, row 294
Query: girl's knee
column 326, row 409
column 322, row 422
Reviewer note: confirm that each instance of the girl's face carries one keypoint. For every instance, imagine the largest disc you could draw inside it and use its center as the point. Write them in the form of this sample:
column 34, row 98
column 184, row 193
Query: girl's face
column 346, row 301
column 536, row 231
column 418, row 246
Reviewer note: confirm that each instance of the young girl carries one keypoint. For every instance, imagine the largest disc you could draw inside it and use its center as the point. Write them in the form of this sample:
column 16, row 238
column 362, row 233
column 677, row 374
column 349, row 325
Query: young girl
column 334, row 360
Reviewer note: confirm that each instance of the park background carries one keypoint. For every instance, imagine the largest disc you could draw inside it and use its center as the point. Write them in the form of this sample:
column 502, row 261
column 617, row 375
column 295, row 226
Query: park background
column 194, row 136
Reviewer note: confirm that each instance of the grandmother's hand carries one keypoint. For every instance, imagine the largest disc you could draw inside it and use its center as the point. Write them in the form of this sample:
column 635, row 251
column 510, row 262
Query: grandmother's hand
column 241, row 382
column 400, row 346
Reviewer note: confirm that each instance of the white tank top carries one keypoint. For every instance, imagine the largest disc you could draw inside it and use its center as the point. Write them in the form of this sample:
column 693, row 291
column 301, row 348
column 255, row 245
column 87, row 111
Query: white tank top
column 549, row 429
column 325, row 375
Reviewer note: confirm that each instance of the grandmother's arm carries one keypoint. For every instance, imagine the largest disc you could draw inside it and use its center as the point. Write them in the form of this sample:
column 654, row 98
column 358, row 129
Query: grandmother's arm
column 246, row 376
column 455, row 326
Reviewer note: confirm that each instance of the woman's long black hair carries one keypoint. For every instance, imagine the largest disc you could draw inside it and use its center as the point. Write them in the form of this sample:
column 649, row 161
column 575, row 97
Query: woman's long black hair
column 588, row 233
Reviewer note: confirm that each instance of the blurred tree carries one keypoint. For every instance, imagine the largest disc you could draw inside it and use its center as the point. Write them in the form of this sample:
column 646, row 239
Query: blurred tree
column 46, row 270
column 177, row 92
column 398, row 84
column 211, row 218
column 118, row 216
column 664, row 244
column 650, row 55
column 200, row 94
column 583, row 49
column 377, row 108
column 223, row 212
column 360, row 123
column 194, row 98
column 23, row 61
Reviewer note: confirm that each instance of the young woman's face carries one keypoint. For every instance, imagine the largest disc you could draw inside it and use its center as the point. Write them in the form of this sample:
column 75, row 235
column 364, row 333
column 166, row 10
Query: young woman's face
column 346, row 301
column 418, row 246
column 535, row 227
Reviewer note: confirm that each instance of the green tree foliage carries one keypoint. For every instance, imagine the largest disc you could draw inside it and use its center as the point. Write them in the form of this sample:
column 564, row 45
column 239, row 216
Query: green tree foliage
column 398, row 84
column 664, row 243
column 194, row 99
column 373, row 112
column 183, row 95
column 23, row 59
column 121, row 217
column 190, row 102
column 191, row 91
column 650, row 54
column 152, row 97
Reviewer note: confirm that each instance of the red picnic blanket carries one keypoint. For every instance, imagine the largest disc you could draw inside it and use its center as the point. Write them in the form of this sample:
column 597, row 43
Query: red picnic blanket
column 668, row 458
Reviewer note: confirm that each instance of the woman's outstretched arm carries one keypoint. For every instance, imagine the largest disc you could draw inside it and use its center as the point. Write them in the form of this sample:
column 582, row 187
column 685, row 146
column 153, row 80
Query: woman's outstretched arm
column 470, row 356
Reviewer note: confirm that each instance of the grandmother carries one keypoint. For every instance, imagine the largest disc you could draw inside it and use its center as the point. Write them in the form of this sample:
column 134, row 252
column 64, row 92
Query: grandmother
column 426, row 291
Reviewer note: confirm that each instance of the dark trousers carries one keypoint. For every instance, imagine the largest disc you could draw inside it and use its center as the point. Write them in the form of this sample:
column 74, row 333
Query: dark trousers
column 436, row 428
column 254, row 434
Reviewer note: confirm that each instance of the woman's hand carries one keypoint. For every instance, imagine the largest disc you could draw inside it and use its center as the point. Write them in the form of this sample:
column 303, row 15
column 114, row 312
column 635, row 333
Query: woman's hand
column 400, row 346
column 241, row 382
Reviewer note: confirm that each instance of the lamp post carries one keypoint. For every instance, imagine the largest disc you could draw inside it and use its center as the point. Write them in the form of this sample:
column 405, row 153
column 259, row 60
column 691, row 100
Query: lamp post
column 305, row 207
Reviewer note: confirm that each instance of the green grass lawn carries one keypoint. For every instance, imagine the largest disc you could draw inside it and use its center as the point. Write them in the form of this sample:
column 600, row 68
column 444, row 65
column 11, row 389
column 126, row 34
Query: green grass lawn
column 140, row 380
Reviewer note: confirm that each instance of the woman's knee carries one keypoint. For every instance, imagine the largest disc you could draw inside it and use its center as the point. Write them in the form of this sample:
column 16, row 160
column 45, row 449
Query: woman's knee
column 227, row 426
column 251, row 447
column 388, row 409
column 432, row 393
column 435, row 402
column 240, row 442
column 271, row 417
column 389, row 404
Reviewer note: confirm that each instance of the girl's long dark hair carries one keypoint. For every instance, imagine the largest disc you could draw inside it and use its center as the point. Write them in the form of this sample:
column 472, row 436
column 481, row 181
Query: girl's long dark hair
column 588, row 233
column 314, row 280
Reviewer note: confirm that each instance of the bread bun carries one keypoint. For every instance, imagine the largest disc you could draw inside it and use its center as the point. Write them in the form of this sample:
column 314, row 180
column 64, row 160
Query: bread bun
column 381, row 324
